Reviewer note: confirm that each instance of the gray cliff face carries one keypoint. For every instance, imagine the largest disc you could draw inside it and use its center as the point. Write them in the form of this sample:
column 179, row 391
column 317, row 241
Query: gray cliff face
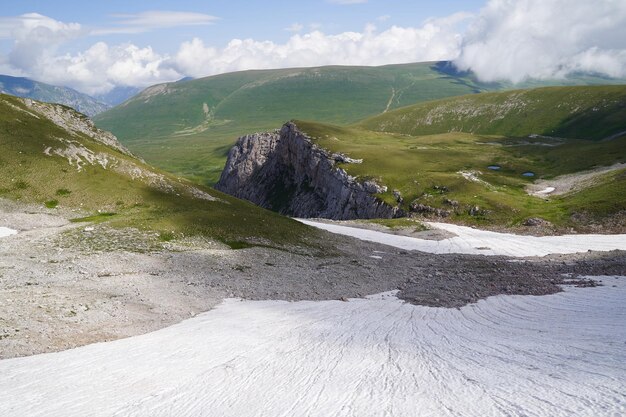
column 285, row 172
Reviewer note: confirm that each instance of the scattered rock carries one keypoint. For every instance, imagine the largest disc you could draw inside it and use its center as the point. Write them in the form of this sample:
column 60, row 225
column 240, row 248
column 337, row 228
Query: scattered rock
column 452, row 203
column 474, row 211
column 536, row 221
column 374, row 188
column 344, row 159
column 398, row 196
column 424, row 209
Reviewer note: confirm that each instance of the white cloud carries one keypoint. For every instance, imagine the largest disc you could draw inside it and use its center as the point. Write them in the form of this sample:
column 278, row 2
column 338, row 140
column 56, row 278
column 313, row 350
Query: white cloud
column 35, row 37
column 508, row 39
column 433, row 41
column 37, row 27
column 294, row 28
column 519, row 39
column 383, row 18
column 157, row 19
column 102, row 67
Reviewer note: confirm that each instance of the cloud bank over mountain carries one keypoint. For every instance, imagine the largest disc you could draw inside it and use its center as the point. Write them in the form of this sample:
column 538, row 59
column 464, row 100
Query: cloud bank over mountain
column 518, row 39
column 507, row 40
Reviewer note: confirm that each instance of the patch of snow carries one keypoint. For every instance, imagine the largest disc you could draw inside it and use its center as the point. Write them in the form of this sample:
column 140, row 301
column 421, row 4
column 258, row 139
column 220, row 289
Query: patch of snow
column 556, row 355
column 5, row 231
column 482, row 242
column 545, row 191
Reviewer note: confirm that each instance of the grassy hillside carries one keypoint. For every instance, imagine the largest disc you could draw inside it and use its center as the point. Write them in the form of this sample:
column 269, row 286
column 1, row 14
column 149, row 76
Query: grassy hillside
column 66, row 166
column 188, row 127
column 438, row 154
column 571, row 112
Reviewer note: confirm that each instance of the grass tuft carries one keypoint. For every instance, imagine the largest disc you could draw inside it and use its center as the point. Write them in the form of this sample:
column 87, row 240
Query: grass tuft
column 63, row 192
column 51, row 204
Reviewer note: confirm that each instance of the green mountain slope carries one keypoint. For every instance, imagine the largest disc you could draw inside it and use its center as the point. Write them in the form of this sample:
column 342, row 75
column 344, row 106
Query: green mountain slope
column 53, row 156
column 467, row 156
column 573, row 112
column 257, row 98
column 24, row 87
column 187, row 127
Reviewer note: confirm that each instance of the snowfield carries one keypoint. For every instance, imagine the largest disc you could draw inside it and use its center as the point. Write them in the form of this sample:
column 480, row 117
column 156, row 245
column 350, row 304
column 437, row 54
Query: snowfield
column 556, row 355
column 5, row 231
column 482, row 242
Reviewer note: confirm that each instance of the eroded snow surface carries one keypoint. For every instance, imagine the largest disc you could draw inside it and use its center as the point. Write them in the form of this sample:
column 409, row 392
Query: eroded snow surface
column 482, row 242
column 556, row 355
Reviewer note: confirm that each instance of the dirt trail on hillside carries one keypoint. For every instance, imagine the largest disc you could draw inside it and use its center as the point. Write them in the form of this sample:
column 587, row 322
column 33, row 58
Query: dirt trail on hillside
column 65, row 284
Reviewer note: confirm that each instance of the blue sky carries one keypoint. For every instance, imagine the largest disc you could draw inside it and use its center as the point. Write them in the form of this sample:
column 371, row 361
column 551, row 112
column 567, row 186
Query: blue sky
column 241, row 19
column 95, row 46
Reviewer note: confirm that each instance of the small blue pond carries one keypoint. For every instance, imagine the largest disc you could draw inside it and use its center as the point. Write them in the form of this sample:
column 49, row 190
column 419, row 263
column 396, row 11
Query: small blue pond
column 528, row 174
column 494, row 167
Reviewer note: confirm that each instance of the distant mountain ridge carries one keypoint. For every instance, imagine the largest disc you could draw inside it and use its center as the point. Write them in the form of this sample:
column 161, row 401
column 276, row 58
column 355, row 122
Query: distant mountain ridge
column 27, row 88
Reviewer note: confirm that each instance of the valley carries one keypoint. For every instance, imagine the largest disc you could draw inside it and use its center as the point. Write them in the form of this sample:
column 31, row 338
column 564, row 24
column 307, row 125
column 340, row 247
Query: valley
column 482, row 160
column 404, row 236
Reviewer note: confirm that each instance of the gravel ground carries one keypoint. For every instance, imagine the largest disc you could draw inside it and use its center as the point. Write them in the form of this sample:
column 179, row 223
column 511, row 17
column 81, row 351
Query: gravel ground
column 64, row 285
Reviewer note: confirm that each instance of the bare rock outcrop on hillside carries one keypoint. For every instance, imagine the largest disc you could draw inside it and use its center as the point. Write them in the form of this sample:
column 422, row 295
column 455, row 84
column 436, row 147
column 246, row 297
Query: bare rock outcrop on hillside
column 75, row 123
column 286, row 172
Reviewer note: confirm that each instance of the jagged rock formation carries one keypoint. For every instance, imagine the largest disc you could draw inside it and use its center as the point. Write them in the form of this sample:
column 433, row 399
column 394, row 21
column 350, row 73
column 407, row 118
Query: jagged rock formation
column 286, row 172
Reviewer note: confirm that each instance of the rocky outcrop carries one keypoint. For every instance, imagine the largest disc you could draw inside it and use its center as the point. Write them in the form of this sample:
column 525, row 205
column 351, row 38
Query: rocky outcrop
column 286, row 172
column 75, row 123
